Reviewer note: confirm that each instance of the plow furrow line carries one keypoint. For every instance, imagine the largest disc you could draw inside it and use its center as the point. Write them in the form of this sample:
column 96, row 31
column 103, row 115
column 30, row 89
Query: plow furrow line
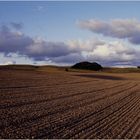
column 86, row 122
column 47, row 100
column 79, row 120
column 108, row 124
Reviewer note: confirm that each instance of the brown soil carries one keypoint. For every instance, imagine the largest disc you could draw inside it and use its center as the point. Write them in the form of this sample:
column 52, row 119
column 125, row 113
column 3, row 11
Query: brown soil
column 41, row 104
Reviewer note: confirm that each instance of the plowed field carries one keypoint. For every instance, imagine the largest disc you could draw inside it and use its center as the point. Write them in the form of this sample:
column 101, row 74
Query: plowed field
column 36, row 104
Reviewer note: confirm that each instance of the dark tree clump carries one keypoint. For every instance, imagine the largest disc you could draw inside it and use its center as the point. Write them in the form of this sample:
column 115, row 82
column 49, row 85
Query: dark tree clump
column 87, row 66
column 66, row 69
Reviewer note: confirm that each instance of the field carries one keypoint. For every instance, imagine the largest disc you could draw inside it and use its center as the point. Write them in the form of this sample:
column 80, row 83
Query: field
column 53, row 103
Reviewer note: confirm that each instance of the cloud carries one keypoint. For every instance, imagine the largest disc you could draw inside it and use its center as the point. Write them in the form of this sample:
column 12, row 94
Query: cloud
column 34, row 48
column 109, row 53
column 119, row 28
column 113, row 52
column 9, row 63
column 69, row 59
column 15, row 43
column 41, row 49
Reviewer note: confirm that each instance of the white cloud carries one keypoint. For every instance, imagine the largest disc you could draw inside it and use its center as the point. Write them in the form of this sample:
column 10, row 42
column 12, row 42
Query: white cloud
column 109, row 53
column 113, row 51
column 9, row 63
column 119, row 28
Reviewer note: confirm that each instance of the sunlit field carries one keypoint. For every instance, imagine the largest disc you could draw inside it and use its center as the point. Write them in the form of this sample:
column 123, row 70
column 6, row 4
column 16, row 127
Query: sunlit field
column 50, row 102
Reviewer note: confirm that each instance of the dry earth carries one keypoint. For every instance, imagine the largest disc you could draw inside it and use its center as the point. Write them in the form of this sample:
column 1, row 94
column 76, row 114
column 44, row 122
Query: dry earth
column 45, row 104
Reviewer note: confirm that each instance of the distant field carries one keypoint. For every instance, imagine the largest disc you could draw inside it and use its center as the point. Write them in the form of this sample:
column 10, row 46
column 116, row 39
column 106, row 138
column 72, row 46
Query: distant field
column 49, row 102
column 56, row 68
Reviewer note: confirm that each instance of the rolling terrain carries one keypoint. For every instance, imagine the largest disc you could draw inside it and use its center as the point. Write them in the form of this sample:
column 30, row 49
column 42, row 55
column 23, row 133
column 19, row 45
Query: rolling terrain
column 54, row 103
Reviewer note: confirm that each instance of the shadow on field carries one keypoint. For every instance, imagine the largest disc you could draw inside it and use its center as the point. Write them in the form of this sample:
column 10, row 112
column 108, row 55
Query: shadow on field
column 106, row 77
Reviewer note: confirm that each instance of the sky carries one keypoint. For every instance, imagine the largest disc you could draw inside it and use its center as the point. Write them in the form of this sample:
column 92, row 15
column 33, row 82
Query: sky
column 67, row 32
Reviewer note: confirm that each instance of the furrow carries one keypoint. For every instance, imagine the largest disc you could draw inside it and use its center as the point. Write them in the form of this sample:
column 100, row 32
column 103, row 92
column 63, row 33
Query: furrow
column 2, row 106
column 96, row 125
column 63, row 108
column 79, row 120
column 107, row 126
column 132, row 122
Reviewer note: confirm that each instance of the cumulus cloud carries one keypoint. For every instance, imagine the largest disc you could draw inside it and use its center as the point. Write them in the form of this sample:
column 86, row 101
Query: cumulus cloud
column 13, row 41
column 35, row 48
column 69, row 52
column 41, row 48
column 9, row 63
column 119, row 28
column 113, row 52
column 109, row 53
column 69, row 59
